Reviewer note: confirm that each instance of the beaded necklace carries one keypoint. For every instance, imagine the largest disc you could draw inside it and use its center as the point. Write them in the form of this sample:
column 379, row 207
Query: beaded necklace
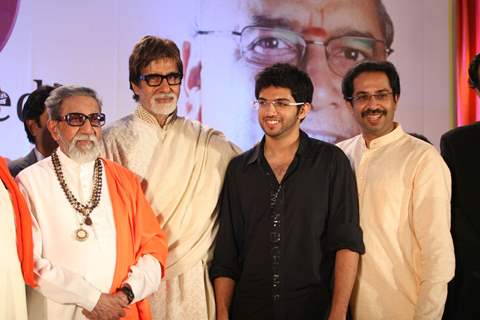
column 84, row 209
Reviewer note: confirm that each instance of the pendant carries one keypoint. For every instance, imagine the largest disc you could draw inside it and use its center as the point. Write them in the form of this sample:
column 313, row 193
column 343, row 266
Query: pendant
column 81, row 234
column 88, row 221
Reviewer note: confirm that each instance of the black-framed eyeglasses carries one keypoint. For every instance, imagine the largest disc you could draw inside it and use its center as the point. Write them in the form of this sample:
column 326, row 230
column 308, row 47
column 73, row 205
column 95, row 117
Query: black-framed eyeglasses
column 264, row 46
column 156, row 79
column 278, row 104
column 77, row 119
column 364, row 98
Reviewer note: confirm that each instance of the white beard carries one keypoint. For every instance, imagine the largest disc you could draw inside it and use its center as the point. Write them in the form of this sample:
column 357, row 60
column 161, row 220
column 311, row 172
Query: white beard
column 84, row 154
column 163, row 108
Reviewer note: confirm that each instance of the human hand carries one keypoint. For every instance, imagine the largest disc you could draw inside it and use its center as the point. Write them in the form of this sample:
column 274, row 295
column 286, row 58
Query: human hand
column 108, row 307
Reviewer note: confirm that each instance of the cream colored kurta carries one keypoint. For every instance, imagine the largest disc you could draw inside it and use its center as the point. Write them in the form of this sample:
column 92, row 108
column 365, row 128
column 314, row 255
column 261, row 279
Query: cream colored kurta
column 404, row 192
column 182, row 167
column 12, row 288
column 72, row 274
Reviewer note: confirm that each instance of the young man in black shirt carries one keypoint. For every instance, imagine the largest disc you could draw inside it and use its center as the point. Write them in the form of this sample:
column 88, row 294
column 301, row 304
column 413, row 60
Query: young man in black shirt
column 289, row 238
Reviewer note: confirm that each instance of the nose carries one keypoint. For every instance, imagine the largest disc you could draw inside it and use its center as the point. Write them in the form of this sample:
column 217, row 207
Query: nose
column 269, row 109
column 164, row 87
column 87, row 127
column 327, row 93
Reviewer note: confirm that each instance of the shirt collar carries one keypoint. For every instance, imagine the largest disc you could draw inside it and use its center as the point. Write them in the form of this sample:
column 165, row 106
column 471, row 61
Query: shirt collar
column 149, row 118
column 303, row 148
column 390, row 137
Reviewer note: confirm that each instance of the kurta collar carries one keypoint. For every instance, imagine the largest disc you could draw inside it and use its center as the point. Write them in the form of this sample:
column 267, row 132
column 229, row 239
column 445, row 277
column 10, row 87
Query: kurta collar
column 303, row 147
column 396, row 134
column 70, row 163
column 146, row 116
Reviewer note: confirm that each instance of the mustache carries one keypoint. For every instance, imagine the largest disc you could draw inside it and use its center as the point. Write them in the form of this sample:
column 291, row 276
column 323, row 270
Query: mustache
column 165, row 96
column 376, row 111
column 83, row 136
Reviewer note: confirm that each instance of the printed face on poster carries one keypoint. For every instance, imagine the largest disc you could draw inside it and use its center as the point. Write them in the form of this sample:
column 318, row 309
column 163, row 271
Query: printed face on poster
column 224, row 44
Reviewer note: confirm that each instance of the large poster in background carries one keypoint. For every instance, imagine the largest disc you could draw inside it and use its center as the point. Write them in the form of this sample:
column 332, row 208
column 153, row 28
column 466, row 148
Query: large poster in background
column 224, row 43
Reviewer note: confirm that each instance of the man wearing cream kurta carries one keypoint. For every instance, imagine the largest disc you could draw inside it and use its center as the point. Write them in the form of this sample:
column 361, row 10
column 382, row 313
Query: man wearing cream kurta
column 181, row 164
column 97, row 257
column 404, row 193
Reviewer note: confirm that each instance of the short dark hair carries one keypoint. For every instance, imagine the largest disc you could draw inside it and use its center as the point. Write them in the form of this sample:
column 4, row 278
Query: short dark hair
column 473, row 72
column 34, row 108
column 148, row 49
column 371, row 66
column 284, row 75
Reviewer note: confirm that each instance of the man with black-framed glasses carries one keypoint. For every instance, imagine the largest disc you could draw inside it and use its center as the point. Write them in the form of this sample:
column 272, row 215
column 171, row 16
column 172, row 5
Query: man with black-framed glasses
column 404, row 192
column 98, row 249
column 181, row 164
column 233, row 40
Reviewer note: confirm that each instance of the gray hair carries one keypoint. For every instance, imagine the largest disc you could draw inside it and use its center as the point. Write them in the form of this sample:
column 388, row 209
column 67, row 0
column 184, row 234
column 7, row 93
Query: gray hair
column 56, row 97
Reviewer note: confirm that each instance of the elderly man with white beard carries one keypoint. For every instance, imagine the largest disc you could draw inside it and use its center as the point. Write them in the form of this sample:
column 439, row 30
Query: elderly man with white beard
column 98, row 248
column 182, row 165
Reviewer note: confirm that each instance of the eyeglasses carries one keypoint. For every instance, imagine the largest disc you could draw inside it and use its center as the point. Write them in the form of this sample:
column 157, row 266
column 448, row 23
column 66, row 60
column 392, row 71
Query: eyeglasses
column 264, row 46
column 364, row 98
column 277, row 104
column 77, row 119
column 155, row 79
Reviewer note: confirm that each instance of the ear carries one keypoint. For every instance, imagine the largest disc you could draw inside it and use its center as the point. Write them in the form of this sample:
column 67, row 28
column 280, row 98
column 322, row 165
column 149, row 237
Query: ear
column 303, row 111
column 397, row 99
column 192, row 68
column 33, row 127
column 135, row 88
column 52, row 128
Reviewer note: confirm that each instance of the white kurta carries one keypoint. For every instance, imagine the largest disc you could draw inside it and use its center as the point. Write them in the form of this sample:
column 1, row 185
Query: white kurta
column 12, row 287
column 182, row 167
column 72, row 274
column 404, row 196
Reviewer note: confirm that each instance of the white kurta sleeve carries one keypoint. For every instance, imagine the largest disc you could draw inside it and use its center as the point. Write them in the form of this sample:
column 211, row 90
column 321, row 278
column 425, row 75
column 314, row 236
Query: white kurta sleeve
column 57, row 283
column 144, row 277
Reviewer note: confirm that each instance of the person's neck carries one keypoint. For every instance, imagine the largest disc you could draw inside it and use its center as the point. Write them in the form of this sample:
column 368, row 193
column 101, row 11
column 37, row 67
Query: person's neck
column 45, row 151
column 370, row 137
column 284, row 147
column 161, row 119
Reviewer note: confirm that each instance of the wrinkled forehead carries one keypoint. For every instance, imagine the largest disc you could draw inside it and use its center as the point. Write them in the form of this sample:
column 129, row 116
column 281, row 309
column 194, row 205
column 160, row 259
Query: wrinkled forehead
column 79, row 103
column 327, row 18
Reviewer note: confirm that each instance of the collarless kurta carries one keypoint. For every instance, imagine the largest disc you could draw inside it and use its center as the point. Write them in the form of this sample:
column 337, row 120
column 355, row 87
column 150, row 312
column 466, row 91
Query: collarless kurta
column 404, row 194
column 72, row 274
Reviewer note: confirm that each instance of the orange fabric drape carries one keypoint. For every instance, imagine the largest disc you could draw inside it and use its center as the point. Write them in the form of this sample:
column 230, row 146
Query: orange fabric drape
column 138, row 231
column 23, row 224
column 468, row 44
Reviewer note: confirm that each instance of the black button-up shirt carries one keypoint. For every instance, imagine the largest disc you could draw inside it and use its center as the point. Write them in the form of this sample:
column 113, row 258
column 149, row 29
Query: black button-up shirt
column 278, row 240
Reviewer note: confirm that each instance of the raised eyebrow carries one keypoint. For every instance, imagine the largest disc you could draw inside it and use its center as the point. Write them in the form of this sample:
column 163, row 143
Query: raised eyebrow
column 349, row 32
column 382, row 91
column 359, row 93
column 264, row 21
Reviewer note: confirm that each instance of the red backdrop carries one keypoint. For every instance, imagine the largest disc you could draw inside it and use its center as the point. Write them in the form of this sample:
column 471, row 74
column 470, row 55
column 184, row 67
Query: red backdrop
column 468, row 45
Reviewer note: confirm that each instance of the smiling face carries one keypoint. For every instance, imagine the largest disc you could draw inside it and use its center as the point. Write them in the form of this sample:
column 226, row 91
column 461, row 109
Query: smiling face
column 225, row 62
column 375, row 116
column 280, row 122
column 160, row 100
